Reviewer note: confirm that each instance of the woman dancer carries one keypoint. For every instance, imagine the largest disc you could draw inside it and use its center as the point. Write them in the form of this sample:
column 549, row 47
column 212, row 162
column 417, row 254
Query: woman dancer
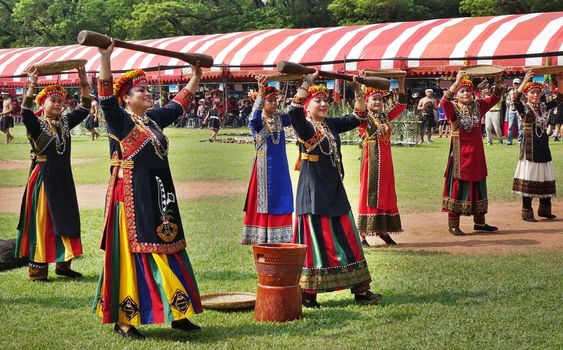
column 49, row 225
column 535, row 175
column 378, row 213
column 269, row 202
column 334, row 258
column 147, row 276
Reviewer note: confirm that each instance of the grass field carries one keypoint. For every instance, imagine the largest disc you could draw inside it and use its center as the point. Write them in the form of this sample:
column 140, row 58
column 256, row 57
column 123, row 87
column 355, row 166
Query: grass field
column 432, row 300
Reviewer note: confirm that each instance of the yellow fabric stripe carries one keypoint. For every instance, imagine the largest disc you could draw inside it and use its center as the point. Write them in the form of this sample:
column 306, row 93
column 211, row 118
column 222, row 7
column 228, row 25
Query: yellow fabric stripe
column 68, row 248
column 127, row 272
column 41, row 223
column 170, row 283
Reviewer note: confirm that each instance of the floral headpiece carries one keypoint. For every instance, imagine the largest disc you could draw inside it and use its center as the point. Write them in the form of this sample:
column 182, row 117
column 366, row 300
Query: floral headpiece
column 369, row 91
column 132, row 78
column 48, row 91
column 314, row 91
column 465, row 83
column 253, row 95
column 531, row 85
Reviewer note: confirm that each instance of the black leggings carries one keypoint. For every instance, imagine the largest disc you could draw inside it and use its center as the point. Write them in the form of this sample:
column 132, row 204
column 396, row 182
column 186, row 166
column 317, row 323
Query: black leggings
column 527, row 202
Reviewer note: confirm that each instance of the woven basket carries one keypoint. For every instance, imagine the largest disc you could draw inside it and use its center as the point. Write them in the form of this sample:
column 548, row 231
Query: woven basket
column 482, row 70
column 228, row 301
column 543, row 70
column 57, row 67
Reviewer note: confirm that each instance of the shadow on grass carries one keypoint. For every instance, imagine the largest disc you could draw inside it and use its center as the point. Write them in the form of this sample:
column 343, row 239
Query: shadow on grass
column 313, row 323
column 516, row 232
column 225, row 275
column 49, row 302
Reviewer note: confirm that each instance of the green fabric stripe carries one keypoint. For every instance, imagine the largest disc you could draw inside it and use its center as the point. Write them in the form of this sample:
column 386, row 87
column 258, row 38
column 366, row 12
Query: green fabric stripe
column 59, row 249
column 317, row 260
column 168, row 317
column 32, row 220
column 98, row 291
column 115, row 264
column 340, row 254
column 356, row 232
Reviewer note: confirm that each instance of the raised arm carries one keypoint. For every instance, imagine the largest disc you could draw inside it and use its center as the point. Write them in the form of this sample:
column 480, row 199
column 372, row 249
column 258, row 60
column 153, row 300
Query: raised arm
column 29, row 119
column 81, row 112
column 486, row 104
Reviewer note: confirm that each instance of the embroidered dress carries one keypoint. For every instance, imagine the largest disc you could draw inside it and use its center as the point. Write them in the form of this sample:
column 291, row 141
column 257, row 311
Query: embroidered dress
column 378, row 211
column 334, row 258
column 269, row 201
column 147, row 276
column 465, row 187
column 49, row 224
column 535, row 175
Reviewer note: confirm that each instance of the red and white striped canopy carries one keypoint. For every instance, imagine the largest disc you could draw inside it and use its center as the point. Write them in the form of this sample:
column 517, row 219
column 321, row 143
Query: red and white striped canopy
column 431, row 46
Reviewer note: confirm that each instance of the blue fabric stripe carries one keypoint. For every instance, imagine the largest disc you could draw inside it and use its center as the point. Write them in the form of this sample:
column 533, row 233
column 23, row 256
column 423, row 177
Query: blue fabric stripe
column 145, row 303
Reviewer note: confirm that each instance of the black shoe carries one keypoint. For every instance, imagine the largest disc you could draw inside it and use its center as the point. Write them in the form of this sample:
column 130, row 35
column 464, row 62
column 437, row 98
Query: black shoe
column 456, row 231
column 186, row 326
column 132, row 332
column 387, row 239
column 530, row 219
column 368, row 298
column 68, row 273
column 548, row 216
column 309, row 300
column 485, row 227
column 365, row 244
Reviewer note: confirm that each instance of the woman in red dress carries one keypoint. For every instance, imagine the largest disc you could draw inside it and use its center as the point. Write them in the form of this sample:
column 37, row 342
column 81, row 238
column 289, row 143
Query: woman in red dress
column 465, row 188
column 378, row 213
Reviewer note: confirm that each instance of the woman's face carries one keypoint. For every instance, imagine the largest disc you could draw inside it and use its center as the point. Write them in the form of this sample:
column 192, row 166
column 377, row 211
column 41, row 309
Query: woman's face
column 138, row 97
column 534, row 96
column 464, row 95
column 53, row 106
column 270, row 104
column 374, row 103
column 318, row 107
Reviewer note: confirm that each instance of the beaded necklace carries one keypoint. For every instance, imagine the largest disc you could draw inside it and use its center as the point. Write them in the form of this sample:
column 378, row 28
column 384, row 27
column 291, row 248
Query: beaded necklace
column 540, row 118
column 49, row 127
column 468, row 115
column 144, row 121
column 333, row 145
column 276, row 129
column 380, row 124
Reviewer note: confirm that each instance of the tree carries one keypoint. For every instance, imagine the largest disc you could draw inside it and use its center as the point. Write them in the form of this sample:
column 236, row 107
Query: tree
column 9, row 31
column 503, row 7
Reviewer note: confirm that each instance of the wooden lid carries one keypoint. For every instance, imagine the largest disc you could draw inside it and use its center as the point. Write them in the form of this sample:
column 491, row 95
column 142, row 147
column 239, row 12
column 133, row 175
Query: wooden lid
column 384, row 73
column 481, row 70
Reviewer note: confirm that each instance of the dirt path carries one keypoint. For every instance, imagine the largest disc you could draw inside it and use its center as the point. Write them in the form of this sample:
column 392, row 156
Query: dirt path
column 93, row 196
column 422, row 231
column 429, row 232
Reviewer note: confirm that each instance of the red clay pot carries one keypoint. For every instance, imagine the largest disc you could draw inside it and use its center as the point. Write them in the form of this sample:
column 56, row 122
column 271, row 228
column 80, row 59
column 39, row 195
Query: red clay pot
column 278, row 298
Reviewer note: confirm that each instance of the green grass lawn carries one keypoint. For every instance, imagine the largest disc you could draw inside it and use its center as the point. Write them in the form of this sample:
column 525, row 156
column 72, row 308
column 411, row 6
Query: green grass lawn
column 432, row 300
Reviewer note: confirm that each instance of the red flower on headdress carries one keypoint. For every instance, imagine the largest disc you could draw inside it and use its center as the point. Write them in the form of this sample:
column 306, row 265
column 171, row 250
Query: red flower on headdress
column 369, row 91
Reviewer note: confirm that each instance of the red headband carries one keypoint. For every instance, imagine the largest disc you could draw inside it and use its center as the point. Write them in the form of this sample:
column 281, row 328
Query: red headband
column 465, row 83
column 132, row 78
column 50, row 91
column 531, row 85
column 315, row 91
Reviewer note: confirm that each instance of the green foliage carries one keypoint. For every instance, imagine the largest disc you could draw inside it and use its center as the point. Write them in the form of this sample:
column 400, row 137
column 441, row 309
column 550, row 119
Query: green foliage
column 501, row 7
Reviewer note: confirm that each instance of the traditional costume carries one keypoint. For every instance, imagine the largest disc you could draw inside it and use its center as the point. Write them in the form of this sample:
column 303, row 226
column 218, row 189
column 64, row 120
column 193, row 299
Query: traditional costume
column 147, row 276
column 378, row 212
column 535, row 175
column 334, row 258
column 49, row 224
column 465, row 187
column 269, row 201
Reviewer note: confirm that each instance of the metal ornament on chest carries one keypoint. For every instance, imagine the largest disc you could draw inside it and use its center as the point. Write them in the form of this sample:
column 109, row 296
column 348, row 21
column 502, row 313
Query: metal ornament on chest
column 276, row 129
column 469, row 116
column 144, row 122
column 49, row 127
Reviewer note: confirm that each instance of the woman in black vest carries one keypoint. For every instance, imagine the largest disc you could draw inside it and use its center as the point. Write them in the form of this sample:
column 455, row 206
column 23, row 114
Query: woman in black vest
column 334, row 259
column 535, row 175
column 147, row 276
column 49, row 225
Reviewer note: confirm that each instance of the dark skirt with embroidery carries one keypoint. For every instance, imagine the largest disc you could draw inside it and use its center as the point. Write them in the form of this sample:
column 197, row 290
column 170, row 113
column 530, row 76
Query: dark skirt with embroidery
column 464, row 197
column 334, row 259
column 141, row 288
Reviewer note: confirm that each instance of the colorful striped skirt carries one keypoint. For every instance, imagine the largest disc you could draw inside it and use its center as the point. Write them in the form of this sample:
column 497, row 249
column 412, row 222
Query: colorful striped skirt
column 334, row 259
column 464, row 197
column 263, row 228
column 36, row 237
column 142, row 288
